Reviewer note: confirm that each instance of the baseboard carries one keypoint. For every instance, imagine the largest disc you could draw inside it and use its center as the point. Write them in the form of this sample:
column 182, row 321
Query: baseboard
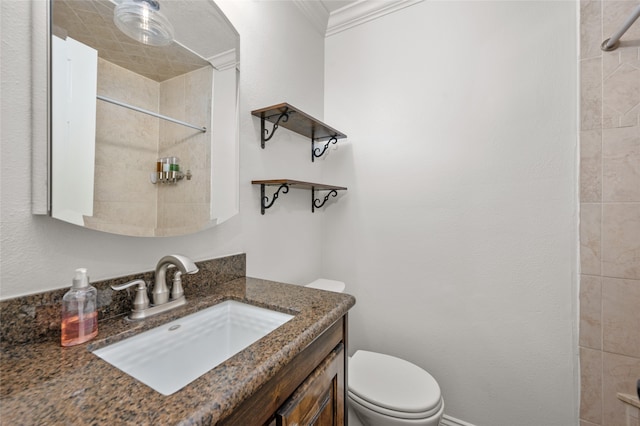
column 451, row 421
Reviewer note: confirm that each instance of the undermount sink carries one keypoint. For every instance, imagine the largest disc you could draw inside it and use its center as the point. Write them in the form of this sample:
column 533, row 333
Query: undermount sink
column 170, row 356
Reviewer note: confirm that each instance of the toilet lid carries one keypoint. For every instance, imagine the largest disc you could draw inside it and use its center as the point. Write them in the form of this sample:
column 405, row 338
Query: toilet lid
column 392, row 383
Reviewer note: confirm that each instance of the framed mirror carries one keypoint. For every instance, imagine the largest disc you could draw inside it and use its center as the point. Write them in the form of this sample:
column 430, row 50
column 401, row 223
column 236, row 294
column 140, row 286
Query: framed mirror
column 143, row 138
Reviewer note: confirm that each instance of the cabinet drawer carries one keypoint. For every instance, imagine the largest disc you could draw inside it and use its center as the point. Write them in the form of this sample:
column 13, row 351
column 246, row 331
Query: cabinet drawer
column 319, row 400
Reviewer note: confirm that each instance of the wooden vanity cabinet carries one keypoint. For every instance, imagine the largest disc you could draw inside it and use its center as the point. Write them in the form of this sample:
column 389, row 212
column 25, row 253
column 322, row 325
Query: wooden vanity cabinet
column 309, row 390
column 318, row 400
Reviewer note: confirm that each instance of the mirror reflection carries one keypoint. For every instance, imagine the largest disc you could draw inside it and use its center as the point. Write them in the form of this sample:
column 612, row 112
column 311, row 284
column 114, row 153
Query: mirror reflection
column 143, row 137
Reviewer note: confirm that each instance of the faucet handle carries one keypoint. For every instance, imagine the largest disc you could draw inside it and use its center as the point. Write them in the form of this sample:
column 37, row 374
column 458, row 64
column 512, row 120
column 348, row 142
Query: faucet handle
column 176, row 289
column 141, row 301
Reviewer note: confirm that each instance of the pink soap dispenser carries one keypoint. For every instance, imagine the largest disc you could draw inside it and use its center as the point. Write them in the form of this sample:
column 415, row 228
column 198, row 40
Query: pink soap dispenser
column 79, row 311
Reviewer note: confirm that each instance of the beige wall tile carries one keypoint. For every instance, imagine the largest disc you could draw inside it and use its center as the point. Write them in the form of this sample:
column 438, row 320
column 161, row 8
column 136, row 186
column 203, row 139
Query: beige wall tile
column 590, row 94
column 616, row 63
column 621, row 316
column 189, row 96
column 172, row 97
column 590, row 238
column 591, row 382
column 189, row 216
column 124, row 213
column 633, row 416
column 610, row 117
column 621, row 240
column 134, row 186
column 198, row 89
column 631, row 118
column 621, row 164
column 613, row 60
column 590, row 312
column 591, row 166
column 590, row 28
column 129, row 143
column 126, row 150
column 619, row 375
column 610, row 232
column 126, row 86
column 621, row 91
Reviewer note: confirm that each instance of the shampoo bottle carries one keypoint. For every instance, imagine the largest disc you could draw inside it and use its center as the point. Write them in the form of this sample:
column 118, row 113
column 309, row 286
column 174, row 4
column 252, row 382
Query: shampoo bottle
column 79, row 311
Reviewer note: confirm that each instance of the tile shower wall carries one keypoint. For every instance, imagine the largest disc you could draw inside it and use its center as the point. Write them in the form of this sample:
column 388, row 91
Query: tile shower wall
column 125, row 200
column 610, row 213
column 188, row 98
column 123, row 195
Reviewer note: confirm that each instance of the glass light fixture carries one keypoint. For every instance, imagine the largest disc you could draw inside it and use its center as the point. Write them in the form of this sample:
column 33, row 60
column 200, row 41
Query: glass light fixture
column 142, row 21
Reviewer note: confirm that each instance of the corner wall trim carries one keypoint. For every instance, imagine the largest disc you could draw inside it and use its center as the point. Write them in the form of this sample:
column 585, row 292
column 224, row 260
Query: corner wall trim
column 451, row 421
column 39, row 108
column 316, row 13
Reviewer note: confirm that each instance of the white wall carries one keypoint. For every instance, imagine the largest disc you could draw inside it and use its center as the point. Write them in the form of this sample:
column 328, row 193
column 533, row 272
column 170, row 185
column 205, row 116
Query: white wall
column 281, row 60
column 458, row 233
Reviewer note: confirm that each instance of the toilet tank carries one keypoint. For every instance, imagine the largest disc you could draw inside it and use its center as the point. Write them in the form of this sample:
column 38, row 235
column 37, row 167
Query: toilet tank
column 329, row 285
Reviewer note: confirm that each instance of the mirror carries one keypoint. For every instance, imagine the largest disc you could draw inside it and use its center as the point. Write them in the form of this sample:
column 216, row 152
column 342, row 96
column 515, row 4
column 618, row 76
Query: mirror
column 143, row 139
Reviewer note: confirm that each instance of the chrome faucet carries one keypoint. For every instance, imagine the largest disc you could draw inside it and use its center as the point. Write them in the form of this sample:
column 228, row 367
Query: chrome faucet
column 160, row 293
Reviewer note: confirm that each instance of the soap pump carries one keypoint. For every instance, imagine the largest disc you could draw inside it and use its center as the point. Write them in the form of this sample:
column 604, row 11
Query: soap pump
column 79, row 311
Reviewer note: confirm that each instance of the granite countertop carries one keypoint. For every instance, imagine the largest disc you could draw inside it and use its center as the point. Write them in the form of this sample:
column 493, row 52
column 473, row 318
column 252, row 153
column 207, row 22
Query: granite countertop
column 43, row 383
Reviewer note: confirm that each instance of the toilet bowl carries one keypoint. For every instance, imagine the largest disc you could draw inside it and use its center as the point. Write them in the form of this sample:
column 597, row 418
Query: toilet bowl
column 387, row 391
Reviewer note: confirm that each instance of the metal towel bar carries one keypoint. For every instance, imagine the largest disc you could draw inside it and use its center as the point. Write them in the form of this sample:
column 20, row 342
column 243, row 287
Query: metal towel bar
column 154, row 114
column 613, row 42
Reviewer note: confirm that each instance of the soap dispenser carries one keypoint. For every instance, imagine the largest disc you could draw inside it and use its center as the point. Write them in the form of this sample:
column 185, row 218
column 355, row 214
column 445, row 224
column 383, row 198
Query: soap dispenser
column 79, row 311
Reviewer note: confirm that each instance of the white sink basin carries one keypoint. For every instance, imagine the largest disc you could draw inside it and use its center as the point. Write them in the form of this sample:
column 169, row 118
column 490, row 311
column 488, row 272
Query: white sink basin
column 170, row 356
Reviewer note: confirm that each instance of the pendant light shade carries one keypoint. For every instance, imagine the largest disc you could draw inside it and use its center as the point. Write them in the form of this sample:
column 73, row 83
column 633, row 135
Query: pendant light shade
column 142, row 21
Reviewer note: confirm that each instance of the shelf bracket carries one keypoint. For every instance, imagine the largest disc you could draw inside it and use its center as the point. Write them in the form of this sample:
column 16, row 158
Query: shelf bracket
column 316, row 152
column 264, row 133
column 316, row 203
column 264, row 200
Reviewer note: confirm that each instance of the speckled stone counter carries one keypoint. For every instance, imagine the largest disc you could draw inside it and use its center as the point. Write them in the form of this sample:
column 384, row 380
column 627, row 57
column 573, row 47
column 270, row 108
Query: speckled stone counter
column 45, row 384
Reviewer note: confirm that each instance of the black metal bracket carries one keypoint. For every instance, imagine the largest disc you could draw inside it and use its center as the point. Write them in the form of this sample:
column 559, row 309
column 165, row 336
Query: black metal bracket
column 316, row 203
column 264, row 200
column 264, row 133
column 316, row 152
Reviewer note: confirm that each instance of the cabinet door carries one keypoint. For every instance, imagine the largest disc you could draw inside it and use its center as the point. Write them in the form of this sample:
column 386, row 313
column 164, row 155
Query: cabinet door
column 319, row 400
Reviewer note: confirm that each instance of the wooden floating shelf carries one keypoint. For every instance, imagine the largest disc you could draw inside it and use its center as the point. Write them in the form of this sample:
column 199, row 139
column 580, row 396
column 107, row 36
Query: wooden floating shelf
column 292, row 118
column 284, row 185
column 297, row 184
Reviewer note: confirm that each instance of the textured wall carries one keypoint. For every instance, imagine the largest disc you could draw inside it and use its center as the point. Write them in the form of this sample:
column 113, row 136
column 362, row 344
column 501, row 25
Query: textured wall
column 458, row 236
column 609, row 213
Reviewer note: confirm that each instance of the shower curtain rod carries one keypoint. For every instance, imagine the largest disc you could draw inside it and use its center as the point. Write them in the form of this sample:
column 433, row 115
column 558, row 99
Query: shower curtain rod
column 151, row 113
column 613, row 42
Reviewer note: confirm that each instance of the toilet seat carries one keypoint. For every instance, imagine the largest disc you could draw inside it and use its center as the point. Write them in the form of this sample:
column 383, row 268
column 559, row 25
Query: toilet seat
column 392, row 386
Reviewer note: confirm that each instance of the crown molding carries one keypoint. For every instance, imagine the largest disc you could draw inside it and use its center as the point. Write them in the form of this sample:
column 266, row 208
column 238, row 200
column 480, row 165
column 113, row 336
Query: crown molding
column 224, row 60
column 363, row 11
column 316, row 13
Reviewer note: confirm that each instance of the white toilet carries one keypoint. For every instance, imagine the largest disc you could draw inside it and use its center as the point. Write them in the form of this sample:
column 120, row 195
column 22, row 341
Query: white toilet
column 388, row 391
